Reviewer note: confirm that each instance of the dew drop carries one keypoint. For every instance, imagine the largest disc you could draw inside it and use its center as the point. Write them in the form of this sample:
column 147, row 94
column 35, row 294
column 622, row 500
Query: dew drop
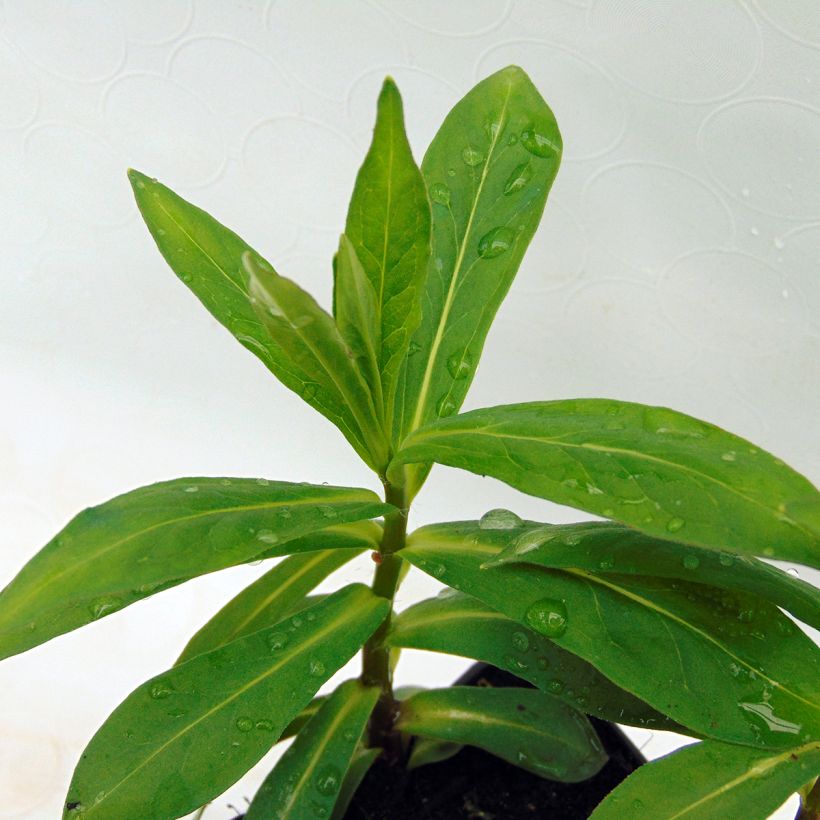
column 472, row 157
column 691, row 562
column 244, row 724
column 327, row 511
column 491, row 129
column 729, row 455
column 499, row 519
column 160, row 689
column 606, row 563
column 309, row 391
column 555, row 686
column 459, row 366
column 445, row 406
column 349, row 735
column 328, row 780
column 451, row 172
column 548, row 617
column 440, row 193
column 538, row 144
column 191, row 488
column 726, row 559
column 317, row 668
column 267, row 537
column 296, row 621
column 518, row 179
column 675, row 524
column 264, row 725
column 277, row 641
column 495, row 242
column 413, row 348
column 543, row 664
column 520, row 641
column 102, row 606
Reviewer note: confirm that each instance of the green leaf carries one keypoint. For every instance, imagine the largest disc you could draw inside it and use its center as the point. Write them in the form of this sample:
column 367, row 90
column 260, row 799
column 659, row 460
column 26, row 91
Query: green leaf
column 708, row 781
column 183, row 737
column 428, row 750
column 357, row 316
column 276, row 594
column 755, row 683
column 361, row 762
column 488, row 172
column 307, row 780
column 461, row 625
column 388, row 225
column 158, row 536
column 608, row 548
column 315, row 361
column 522, row 726
column 656, row 470
column 207, row 257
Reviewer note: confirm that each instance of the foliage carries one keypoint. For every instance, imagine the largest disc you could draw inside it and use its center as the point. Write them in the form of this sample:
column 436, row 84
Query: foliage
column 664, row 616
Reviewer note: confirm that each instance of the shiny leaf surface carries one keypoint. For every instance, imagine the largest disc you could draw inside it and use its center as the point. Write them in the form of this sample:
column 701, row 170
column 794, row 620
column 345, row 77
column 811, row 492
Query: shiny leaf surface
column 657, row 470
column 388, row 224
column 461, row 625
column 708, row 781
column 307, row 780
column 147, row 540
column 755, row 683
column 183, row 737
column 522, row 726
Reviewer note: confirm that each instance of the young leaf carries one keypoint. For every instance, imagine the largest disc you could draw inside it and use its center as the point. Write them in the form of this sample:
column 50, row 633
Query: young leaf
column 754, row 683
column 488, row 172
column 659, row 471
column 427, row 750
column 276, row 594
column 388, row 225
column 315, row 361
column 361, row 761
column 522, row 726
column 207, row 257
column 709, row 780
column 357, row 316
column 158, row 536
column 307, row 780
column 605, row 547
column 183, row 737
column 462, row 625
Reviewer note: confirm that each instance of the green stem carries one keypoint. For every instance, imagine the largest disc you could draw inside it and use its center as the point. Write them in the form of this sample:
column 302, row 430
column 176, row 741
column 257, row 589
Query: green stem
column 376, row 657
column 810, row 808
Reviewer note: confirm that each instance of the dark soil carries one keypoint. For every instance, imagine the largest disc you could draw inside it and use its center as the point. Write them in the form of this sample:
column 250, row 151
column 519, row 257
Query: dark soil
column 475, row 785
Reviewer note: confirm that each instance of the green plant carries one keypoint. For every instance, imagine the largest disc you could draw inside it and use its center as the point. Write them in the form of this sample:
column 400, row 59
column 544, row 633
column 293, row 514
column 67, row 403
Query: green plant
column 662, row 617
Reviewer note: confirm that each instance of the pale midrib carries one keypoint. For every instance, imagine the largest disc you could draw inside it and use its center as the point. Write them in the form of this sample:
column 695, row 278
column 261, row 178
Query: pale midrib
column 665, row 613
column 633, row 453
column 317, row 637
column 318, row 752
column 169, row 522
column 201, row 249
column 437, row 618
column 448, row 303
column 752, row 773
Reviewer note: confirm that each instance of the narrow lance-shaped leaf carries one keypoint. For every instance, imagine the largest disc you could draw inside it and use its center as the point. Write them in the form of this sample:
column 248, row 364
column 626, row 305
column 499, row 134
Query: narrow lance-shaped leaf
column 752, row 683
column 158, row 536
column 316, row 362
column 276, row 594
column 183, row 737
column 307, row 780
column 522, row 726
column 207, row 258
column 361, row 762
column 711, row 780
column 357, row 316
column 604, row 547
column 659, row 471
column 388, row 225
column 488, row 172
column 462, row 625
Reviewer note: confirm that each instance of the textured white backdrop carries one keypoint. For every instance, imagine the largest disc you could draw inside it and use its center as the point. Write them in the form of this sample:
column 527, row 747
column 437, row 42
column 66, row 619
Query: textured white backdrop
column 678, row 263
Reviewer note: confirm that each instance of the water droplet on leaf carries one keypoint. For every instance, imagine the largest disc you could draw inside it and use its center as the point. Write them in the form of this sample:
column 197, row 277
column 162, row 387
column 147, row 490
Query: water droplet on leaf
column 518, row 179
column 675, row 524
column 538, row 144
column 472, row 157
column 277, row 641
column 244, row 724
column 548, row 617
column 495, row 242
column 317, row 668
column 440, row 193
column 691, row 562
column 499, row 519
column 459, row 366
column 520, row 641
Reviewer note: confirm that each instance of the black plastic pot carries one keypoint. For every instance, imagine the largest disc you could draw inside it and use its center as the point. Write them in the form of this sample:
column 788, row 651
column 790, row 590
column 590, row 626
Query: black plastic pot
column 475, row 785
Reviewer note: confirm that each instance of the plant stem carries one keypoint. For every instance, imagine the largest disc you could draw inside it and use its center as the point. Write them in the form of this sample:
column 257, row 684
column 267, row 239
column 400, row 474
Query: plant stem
column 376, row 657
column 810, row 808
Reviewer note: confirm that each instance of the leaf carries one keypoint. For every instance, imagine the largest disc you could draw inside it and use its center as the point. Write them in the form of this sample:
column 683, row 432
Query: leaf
column 267, row 600
column 388, row 225
column 488, row 172
column 357, row 316
column 461, row 625
column 314, row 359
column 522, row 726
column 158, row 536
column 709, row 780
column 183, row 737
column 207, row 258
column 361, row 762
column 659, row 471
column 427, row 750
column 607, row 548
column 754, row 683
column 307, row 780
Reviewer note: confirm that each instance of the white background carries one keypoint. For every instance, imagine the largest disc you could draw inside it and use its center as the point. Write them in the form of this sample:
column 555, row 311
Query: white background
column 677, row 264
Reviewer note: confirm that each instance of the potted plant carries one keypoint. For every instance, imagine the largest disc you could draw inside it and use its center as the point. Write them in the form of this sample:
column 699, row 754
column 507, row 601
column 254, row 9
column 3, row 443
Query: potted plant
column 663, row 615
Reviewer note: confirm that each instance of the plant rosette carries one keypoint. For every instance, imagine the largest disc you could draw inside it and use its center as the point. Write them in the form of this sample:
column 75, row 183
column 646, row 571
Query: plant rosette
column 663, row 615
